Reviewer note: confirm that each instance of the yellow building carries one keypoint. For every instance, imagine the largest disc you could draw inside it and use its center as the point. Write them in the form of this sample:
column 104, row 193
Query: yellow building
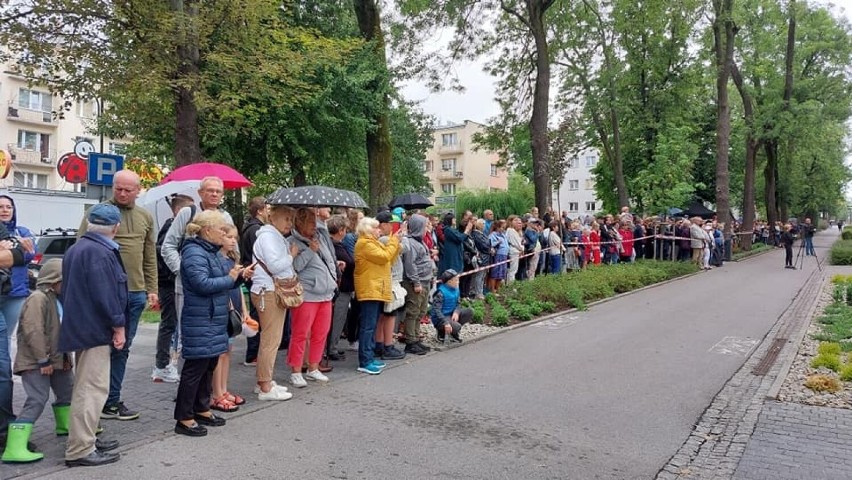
column 453, row 164
column 37, row 128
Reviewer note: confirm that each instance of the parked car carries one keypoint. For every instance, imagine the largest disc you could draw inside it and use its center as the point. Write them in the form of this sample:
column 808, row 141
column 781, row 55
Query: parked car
column 53, row 243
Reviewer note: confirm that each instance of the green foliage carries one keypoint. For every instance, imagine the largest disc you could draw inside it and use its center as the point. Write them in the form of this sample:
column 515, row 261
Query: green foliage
column 517, row 200
column 838, row 294
column 841, row 253
column 846, row 372
column 478, row 308
column 831, row 362
column 499, row 315
column 846, row 234
column 836, row 326
column 829, row 348
column 755, row 249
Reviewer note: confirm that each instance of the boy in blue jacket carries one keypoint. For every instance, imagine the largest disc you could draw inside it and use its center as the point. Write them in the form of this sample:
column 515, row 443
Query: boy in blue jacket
column 447, row 314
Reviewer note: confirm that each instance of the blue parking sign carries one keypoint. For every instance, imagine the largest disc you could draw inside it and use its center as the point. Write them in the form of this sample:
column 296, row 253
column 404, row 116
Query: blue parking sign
column 102, row 167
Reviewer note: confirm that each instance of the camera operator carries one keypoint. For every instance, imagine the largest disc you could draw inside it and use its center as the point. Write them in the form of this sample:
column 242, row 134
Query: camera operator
column 808, row 230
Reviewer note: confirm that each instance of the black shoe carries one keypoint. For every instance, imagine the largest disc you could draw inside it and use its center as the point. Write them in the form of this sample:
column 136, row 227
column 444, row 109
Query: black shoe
column 415, row 349
column 336, row 357
column 193, row 431
column 211, row 421
column 105, row 445
column 424, row 346
column 456, row 338
column 391, row 353
column 119, row 412
column 94, row 459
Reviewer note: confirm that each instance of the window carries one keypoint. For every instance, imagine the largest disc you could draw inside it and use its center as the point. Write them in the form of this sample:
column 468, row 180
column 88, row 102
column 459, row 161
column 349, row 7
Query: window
column 574, row 163
column 590, row 184
column 33, row 141
column 428, row 166
column 590, row 206
column 591, row 160
column 448, row 164
column 30, row 180
column 448, row 188
column 35, row 100
column 493, row 170
column 573, row 184
column 573, row 206
column 86, row 109
column 449, row 139
column 117, row 148
column 78, row 187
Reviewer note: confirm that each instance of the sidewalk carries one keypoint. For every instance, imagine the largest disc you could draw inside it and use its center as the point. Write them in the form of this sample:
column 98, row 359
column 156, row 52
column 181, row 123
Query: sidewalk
column 155, row 402
column 746, row 434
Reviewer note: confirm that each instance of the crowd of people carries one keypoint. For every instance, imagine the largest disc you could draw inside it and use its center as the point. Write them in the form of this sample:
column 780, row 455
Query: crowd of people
column 308, row 280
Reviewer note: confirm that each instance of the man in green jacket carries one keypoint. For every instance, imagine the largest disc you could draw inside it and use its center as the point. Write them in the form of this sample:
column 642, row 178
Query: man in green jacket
column 136, row 237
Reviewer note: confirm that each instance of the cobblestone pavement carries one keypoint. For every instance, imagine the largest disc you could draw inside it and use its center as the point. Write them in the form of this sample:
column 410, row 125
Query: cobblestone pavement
column 720, row 437
column 155, row 401
column 794, row 441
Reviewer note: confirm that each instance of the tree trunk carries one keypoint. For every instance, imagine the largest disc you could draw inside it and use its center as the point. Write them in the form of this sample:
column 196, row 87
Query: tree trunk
column 752, row 145
column 541, row 98
column 770, row 176
column 783, row 184
column 187, row 138
column 723, row 34
column 379, row 148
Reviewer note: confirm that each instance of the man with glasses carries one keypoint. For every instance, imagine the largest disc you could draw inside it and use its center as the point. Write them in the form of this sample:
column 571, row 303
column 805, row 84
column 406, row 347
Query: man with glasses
column 211, row 192
column 136, row 238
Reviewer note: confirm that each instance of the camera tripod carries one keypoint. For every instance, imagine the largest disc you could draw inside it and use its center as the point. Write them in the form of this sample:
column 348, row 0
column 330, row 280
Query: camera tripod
column 799, row 261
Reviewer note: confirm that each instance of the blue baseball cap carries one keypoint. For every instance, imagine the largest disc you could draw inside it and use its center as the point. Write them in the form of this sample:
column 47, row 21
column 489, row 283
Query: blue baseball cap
column 104, row 214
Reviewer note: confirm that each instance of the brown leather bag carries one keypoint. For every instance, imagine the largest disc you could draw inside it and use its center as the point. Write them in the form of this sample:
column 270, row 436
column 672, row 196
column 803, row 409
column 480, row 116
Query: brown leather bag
column 288, row 291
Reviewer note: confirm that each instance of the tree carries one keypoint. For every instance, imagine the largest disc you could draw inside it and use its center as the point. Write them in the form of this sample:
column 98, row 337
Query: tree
column 723, row 43
column 517, row 32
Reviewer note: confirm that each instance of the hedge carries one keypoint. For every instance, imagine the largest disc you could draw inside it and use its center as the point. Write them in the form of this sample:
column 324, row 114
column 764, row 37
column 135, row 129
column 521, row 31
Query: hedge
column 841, row 252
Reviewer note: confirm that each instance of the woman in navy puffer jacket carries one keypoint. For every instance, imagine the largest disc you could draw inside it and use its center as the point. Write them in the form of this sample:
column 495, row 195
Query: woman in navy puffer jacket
column 207, row 282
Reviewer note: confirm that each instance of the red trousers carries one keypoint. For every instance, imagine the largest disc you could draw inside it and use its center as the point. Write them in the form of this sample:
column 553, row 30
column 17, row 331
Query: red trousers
column 309, row 318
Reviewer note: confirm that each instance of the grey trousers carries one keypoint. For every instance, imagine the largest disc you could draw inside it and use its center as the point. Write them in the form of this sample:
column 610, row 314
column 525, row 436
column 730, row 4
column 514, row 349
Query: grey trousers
column 338, row 319
column 89, row 394
column 38, row 389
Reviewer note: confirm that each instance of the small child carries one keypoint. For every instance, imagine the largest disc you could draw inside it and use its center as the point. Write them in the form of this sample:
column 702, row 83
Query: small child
column 447, row 314
column 221, row 398
column 40, row 364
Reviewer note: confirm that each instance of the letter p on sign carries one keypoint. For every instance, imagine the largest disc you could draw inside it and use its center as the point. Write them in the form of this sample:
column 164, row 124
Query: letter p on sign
column 102, row 168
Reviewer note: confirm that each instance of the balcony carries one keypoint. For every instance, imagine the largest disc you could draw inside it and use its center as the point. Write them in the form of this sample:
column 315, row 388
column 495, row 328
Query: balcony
column 35, row 158
column 25, row 115
column 451, row 149
column 454, row 175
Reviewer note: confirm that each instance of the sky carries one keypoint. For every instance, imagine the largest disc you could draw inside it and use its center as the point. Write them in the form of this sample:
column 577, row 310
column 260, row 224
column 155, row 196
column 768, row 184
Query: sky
column 476, row 102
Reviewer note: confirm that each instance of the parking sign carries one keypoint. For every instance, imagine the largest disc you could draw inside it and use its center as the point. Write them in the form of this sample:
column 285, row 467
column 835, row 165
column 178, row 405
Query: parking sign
column 102, row 167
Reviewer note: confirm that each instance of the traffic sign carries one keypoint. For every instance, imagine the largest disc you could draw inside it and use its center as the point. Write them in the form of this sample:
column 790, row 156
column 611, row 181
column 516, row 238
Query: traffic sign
column 102, row 167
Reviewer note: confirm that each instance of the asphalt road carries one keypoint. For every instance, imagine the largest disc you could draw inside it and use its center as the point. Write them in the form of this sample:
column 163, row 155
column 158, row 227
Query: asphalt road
column 610, row 393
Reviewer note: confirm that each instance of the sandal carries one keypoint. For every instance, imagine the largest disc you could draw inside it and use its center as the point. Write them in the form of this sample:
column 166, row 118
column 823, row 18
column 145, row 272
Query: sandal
column 222, row 404
column 234, row 398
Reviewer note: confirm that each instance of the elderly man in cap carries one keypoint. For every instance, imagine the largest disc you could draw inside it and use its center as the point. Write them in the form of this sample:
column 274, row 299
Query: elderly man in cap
column 95, row 310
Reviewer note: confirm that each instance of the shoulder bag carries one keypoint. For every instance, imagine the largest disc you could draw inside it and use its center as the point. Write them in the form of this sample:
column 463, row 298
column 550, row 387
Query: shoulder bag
column 235, row 320
column 288, row 291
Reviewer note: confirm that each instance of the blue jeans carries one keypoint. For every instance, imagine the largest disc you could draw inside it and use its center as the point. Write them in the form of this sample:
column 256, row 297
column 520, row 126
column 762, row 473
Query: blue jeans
column 367, row 334
column 118, row 358
column 555, row 263
column 6, row 414
column 809, row 246
column 10, row 310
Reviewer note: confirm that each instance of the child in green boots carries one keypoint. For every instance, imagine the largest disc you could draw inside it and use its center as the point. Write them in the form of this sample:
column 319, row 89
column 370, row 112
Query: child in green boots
column 41, row 366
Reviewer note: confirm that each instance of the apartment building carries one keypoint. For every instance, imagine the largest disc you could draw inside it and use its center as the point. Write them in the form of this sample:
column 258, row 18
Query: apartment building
column 576, row 196
column 453, row 164
column 37, row 128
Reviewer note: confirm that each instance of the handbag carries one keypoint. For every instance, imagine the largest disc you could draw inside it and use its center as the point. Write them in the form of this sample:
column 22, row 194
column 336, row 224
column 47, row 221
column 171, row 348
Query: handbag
column 398, row 299
column 289, row 292
column 235, row 320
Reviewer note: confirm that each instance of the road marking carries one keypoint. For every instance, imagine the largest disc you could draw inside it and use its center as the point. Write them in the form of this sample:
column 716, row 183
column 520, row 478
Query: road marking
column 738, row 346
column 557, row 323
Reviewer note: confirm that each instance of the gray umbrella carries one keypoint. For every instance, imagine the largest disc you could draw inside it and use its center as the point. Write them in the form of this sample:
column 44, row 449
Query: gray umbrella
column 315, row 196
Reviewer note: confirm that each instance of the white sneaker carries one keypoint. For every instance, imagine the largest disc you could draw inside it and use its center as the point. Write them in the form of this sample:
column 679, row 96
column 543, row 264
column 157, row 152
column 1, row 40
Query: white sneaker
column 164, row 375
column 275, row 394
column 353, row 346
column 316, row 375
column 274, row 386
column 298, row 380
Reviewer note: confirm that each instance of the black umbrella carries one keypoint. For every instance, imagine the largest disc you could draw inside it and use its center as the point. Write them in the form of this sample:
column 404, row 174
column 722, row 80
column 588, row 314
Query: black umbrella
column 410, row 201
column 316, row 196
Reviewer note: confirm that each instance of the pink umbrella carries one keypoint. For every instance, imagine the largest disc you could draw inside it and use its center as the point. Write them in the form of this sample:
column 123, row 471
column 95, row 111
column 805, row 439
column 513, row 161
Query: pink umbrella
column 231, row 178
